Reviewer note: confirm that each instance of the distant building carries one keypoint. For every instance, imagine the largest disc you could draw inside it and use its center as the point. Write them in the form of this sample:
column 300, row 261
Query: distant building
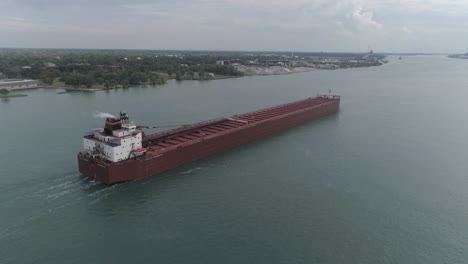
column 15, row 84
column 327, row 66
column 115, row 67
column 2, row 75
column 207, row 75
column 220, row 62
column 199, row 75
column 49, row 64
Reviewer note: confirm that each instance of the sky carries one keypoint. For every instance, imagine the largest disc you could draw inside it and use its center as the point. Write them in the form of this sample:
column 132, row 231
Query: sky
column 423, row 26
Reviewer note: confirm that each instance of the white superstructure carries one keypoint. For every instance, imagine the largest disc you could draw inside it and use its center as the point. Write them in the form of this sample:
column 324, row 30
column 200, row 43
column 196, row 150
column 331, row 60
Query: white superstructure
column 329, row 95
column 119, row 140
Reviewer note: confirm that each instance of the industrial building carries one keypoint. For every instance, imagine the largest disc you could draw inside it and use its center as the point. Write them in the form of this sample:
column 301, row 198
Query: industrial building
column 15, row 84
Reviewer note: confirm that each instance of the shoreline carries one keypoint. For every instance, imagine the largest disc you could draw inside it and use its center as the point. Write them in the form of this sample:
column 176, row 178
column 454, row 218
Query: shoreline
column 281, row 70
column 273, row 70
column 75, row 89
column 95, row 89
column 249, row 71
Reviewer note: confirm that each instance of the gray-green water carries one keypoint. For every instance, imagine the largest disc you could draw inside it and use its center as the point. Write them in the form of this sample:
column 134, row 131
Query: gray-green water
column 383, row 181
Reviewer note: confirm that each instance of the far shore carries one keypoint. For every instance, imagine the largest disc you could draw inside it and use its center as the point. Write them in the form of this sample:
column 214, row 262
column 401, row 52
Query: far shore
column 247, row 70
column 98, row 87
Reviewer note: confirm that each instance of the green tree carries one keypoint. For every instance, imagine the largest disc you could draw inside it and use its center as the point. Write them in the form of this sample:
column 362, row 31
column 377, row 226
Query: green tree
column 156, row 78
column 138, row 78
column 47, row 80
column 178, row 76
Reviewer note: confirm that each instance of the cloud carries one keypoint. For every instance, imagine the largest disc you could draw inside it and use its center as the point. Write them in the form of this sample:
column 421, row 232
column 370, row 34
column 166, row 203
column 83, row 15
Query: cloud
column 234, row 24
column 364, row 18
column 406, row 30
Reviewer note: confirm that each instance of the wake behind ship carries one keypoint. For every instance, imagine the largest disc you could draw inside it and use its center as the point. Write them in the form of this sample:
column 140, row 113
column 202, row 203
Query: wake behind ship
column 121, row 152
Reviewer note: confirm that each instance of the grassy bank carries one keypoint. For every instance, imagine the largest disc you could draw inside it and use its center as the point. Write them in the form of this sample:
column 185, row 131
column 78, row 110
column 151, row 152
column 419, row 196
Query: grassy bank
column 220, row 77
column 58, row 84
column 12, row 95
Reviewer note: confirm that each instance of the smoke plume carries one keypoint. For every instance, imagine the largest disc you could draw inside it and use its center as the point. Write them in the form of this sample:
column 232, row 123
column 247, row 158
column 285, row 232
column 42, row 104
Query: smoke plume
column 98, row 114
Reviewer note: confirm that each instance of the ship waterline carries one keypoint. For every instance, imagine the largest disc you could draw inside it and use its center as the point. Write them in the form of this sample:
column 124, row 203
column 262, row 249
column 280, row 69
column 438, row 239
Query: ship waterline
column 170, row 149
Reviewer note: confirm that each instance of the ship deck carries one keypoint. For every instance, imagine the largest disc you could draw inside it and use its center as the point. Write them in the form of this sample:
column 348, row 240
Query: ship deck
column 162, row 141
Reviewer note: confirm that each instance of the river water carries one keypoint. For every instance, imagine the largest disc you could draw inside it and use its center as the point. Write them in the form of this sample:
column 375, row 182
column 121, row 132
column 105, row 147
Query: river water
column 383, row 181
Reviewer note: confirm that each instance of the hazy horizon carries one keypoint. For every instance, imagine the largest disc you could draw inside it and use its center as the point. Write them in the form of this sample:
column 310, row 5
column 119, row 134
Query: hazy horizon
column 236, row 51
column 398, row 26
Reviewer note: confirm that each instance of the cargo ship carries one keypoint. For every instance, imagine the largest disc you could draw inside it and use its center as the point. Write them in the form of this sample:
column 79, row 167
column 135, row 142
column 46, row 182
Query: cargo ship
column 122, row 152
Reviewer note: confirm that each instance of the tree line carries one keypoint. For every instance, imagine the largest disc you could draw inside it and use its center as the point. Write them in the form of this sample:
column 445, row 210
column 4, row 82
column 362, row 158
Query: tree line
column 85, row 68
column 121, row 78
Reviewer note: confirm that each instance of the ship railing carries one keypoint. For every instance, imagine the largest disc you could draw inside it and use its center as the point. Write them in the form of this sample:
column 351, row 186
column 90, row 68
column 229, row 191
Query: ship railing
column 275, row 107
column 183, row 129
column 112, row 144
column 237, row 120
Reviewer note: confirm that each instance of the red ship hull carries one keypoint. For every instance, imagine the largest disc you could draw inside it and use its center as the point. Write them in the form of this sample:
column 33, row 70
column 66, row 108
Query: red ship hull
column 171, row 149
